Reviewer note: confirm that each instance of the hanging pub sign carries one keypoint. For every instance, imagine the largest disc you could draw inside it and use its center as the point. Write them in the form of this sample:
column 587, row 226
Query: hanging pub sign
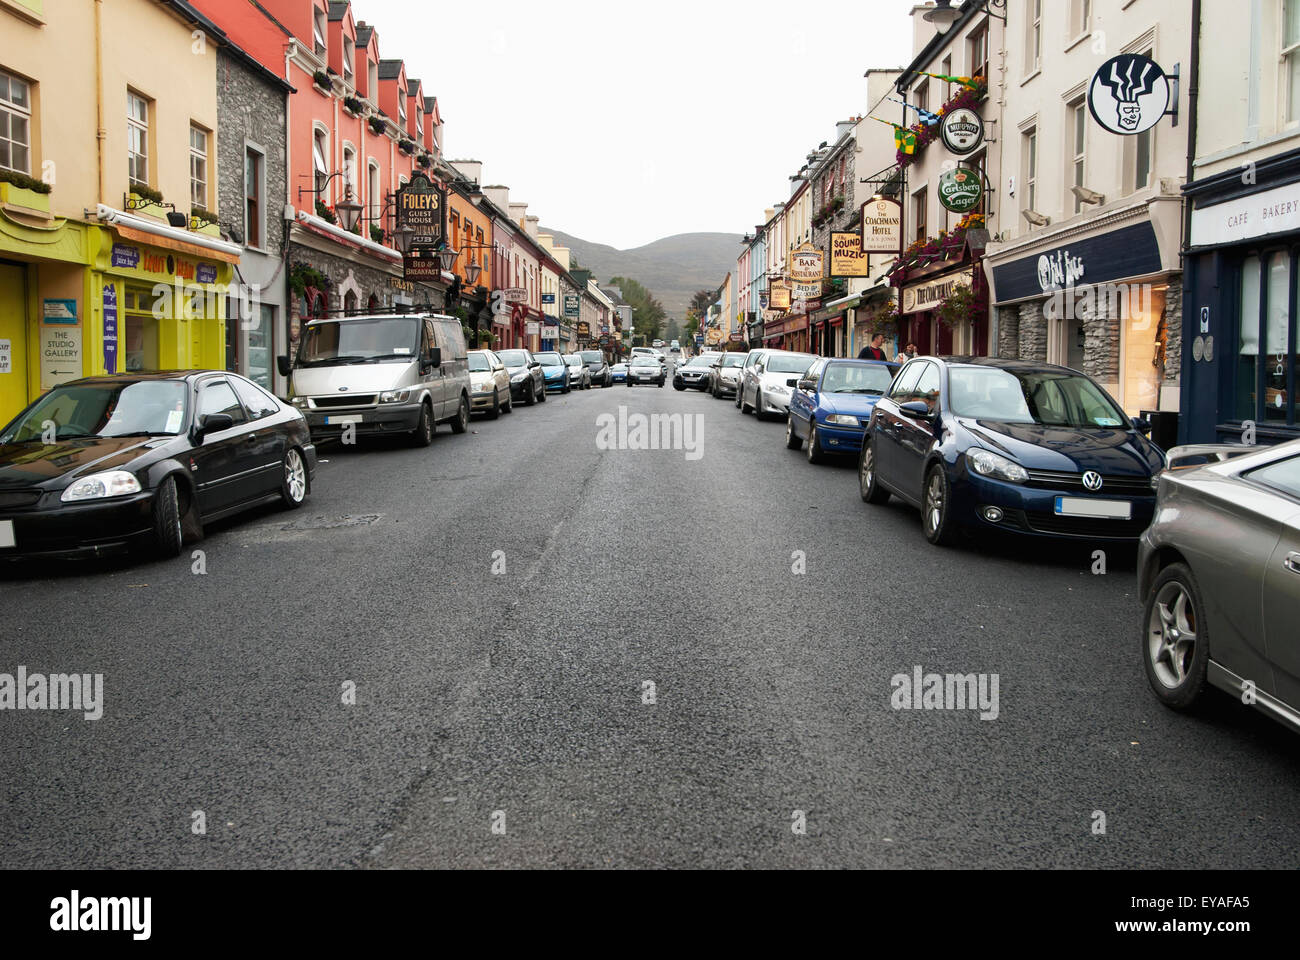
column 963, row 131
column 1129, row 94
column 572, row 306
column 421, row 206
column 422, row 269
column 780, row 295
column 807, row 264
column 847, row 258
column 882, row 226
column 961, row 191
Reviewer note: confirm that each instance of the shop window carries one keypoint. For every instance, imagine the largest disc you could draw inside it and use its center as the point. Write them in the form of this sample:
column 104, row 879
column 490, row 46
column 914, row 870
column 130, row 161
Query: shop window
column 15, row 124
column 198, row 166
column 139, row 336
column 1266, row 351
column 137, row 139
column 257, row 366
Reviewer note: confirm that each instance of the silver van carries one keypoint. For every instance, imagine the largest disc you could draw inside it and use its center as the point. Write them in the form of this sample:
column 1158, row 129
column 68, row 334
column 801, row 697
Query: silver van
column 383, row 374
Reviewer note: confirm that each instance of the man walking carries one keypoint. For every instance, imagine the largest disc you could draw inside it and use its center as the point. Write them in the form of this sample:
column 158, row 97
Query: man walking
column 876, row 350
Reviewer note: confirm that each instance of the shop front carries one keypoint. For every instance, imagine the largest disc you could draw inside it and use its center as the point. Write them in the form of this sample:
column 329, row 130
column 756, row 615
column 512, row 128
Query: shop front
column 1103, row 297
column 788, row 332
column 1240, row 339
column 826, row 332
column 923, row 324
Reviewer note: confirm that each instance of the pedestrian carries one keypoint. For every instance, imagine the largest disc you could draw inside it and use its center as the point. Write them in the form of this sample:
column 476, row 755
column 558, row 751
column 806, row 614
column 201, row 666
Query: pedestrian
column 908, row 354
column 876, row 350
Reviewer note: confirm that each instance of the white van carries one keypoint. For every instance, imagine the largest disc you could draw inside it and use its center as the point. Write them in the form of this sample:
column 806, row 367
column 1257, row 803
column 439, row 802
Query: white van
column 383, row 374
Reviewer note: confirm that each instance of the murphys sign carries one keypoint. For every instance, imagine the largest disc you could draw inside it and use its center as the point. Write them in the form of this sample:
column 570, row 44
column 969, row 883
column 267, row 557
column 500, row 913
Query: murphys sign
column 961, row 191
column 963, row 131
column 882, row 226
column 1129, row 94
column 421, row 206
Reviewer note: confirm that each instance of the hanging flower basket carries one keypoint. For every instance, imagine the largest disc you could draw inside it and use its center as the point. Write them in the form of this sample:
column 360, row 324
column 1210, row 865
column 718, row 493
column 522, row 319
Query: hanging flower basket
column 407, row 147
column 378, row 125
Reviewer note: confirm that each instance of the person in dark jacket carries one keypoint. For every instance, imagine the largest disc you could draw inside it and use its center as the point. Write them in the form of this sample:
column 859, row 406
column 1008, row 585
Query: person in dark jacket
column 876, row 350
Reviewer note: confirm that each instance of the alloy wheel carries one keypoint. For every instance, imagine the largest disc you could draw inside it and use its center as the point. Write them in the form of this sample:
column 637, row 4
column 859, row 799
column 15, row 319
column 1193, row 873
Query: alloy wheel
column 1172, row 635
column 934, row 503
column 295, row 476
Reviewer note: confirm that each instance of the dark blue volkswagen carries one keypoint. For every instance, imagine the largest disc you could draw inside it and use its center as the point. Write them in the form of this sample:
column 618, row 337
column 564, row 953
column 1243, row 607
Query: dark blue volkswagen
column 832, row 403
column 1027, row 448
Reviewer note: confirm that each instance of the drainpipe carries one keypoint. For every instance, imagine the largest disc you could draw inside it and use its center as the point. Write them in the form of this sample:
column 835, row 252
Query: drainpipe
column 101, row 132
column 1193, row 128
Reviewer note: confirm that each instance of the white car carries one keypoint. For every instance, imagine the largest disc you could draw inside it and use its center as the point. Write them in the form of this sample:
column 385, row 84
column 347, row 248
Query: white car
column 489, row 384
column 766, row 387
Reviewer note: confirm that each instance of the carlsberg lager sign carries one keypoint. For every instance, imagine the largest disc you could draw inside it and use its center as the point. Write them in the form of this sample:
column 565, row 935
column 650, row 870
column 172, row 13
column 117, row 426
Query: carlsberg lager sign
column 961, row 191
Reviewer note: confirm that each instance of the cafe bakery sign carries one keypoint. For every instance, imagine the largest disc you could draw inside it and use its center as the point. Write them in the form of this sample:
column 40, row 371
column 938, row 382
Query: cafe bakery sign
column 926, row 296
column 421, row 206
column 961, row 190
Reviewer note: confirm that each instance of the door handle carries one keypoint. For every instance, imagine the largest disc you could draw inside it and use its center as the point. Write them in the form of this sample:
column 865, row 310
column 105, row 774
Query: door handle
column 1292, row 562
column 252, row 438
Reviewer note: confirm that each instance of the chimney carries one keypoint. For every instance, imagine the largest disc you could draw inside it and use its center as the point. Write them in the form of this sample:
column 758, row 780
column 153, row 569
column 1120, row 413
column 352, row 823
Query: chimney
column 768, row 214
column 498, row 195
column 843, row 129
column 518, row 212
column 471, row 170
column 880, row 84
column 922, row 32
column 533, row 225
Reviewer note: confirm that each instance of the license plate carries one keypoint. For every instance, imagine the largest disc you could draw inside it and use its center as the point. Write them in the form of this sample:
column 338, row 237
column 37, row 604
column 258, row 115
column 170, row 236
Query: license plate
column 342, row 421
column 1102, row 509
column 7, row 534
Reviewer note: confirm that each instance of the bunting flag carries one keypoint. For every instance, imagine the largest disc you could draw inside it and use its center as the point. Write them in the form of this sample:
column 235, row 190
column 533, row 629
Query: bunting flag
column 904, row 139
column 970, row 83
column 928, row 118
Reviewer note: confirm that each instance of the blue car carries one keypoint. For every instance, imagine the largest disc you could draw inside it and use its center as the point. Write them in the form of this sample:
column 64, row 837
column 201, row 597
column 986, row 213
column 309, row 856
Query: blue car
column 618, row 373
column 1005, row 445
column 555, row 372
column 831, row 405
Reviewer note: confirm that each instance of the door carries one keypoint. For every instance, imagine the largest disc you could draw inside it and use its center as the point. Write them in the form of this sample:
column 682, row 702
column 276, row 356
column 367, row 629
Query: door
column 889, row 421
column 916, row 434
column 803, row 402
column 13, row 342
column 224, row 464
column 1281, row 600
column 267, row 440
column 436, row 380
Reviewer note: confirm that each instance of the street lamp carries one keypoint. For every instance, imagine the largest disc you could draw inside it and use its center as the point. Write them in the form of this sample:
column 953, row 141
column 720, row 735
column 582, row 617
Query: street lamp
column 448, row 255
column 402, row 239
column 348, row 211
column 472, row 272
column 944, row 15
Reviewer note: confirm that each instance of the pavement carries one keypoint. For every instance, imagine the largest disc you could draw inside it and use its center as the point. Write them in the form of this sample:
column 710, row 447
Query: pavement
column 499, row 603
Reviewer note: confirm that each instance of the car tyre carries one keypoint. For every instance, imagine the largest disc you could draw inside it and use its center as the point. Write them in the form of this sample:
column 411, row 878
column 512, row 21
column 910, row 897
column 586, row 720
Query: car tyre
column 461, row 423
column 1175, row 645
column 936, row 508
column 792, row 441
column 541, row 394
column 816, row 455
column 495, row 412
column 868, row 481
column 423, row 434
column 294, row 485
column 168, row 537
column 758, row 405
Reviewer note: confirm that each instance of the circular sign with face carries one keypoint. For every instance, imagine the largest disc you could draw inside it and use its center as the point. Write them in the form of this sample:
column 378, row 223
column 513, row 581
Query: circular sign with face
column 963, row 131
column 1129, row 94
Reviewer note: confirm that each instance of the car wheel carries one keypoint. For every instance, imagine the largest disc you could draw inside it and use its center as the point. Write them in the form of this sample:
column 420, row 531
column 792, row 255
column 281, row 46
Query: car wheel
column 495, row 412
column 461, row 423
column 167, row 535
column 532, row 396
column 293, row 488
column 679, row 387
column 936, row 510
column 541, row 394
column 816, row 456
column 792, row 441
column 758, row 405
column 423, row 435
column 740, row 395
column 1175, row 648
column 509, row 405
column 868, row 483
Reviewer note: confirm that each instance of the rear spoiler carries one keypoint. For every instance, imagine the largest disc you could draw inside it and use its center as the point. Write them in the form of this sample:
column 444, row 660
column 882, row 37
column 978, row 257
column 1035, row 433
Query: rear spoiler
column 1203, row 454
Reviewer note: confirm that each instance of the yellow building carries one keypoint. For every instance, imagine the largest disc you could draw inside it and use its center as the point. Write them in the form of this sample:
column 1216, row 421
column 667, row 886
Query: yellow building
column 108, row 105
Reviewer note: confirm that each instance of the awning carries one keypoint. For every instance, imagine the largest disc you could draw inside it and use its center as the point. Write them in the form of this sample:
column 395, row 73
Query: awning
column 141, row 230
column 179, row 246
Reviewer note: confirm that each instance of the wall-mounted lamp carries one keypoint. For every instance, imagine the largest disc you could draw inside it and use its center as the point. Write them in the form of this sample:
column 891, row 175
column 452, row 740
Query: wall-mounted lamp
column 944, row 15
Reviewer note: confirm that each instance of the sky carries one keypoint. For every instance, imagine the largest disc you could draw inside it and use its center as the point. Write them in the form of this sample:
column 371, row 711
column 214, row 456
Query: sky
column 622, row 123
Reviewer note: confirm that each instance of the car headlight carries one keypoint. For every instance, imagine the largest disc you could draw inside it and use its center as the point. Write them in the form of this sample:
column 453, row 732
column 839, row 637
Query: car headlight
column 989, row 464
column 519, row 378
column 395, row 396
column 302, row 403
column 841, row 420
column 100, row 486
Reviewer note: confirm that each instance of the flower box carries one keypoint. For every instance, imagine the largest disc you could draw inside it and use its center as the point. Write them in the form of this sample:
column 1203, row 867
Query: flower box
column 149, row 208
column 16, row 196
column 378, row 125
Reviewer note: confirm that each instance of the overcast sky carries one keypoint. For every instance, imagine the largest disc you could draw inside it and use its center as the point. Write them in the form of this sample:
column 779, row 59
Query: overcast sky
column 624, row 122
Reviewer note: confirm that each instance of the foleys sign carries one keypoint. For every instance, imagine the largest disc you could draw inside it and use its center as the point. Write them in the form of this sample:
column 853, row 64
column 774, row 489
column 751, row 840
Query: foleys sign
column 1129, row 94
column 420, row 206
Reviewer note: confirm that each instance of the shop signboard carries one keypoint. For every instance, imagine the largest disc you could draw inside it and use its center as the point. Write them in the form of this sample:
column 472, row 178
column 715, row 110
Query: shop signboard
column 847, row 258
column 882, row 226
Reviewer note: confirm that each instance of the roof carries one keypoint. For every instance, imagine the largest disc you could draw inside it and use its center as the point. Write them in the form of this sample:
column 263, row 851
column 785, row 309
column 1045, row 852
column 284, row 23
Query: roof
column 1017, row 366
column 390, row 69
column 338, row 9
column 364, row 32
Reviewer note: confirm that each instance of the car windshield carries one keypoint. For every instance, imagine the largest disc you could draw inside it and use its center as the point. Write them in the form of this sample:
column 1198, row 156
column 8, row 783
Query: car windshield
column 1048, row 398
column 549, row 359
column 851, row 378
column 360, row 341
column 701, row 362
column 797, row 363
column 478, row 363
column 733, row 360
column 593, row 356
column 574, row 361
column 144, row 408
column 645, row 362
column 513, row 358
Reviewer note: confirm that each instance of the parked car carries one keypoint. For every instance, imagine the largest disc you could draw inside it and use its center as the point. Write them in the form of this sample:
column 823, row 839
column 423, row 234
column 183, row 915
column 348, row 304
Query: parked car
column 832, row 404
column 751, row 360
column 381, row 374
column 597, row 368
column 695, row 373
column 618, row 373
column 1219, row 572
column 107, row 464
column 526, row 380
column 1007, row 445
column 646, row 370
column 675, row 346
column 658, row 344
column 489, row 384
column 555, row 372
column 724, row 380
column 766, row 388
column 579, row 377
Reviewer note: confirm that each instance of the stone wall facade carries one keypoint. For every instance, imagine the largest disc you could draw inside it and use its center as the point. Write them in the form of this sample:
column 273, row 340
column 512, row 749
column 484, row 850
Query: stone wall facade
column 1008, row 345
column 1031, row 331
column 251, row 112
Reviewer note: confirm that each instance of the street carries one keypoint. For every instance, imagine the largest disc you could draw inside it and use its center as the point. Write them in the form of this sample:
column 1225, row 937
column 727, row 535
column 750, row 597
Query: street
column 507, row 602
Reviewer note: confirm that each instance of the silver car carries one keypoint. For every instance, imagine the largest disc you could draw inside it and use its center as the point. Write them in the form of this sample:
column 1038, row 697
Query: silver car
column 579, row 375
column 751, row 358
column 1219, row 571
column 489, row 384
column 766, row 387
column 725, row 380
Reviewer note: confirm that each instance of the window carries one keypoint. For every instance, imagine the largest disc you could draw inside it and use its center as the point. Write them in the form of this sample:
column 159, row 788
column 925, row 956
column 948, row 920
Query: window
column 1034, row 37
column 922, row 96
column 372, row 80
column 919, row 204
column 218, row 397
column 1029, row 172
column 15, row 124
column 1078, row 149
column 1139, row 156
column 1080, row 17
column 419, row 123
column 252, row 198
column 1283, row 475
column 198, row 166
column 259, row 403
column 318, row 32
column 320, row 151
column 349, row 171
column 977, row 52
column 349, row 56
column 905, row 385
column 137, row 139
column 401, row 108
column 374, row 192
column 1265, row 388
column 946, row 70
column 1291, row 57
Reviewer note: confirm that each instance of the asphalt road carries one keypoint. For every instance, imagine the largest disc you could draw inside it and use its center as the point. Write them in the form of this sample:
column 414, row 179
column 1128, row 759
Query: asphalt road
column 516, row 699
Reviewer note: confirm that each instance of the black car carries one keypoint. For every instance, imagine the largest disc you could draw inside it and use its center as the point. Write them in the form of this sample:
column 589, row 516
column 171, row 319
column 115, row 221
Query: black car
column 646, row 369
column 104, row 464
column 1006, row 445
column 696, row 374
column 598, row 368
column 527, row 381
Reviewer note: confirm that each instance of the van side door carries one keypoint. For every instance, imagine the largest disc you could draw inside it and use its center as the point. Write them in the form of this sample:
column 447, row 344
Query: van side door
column 432, row 377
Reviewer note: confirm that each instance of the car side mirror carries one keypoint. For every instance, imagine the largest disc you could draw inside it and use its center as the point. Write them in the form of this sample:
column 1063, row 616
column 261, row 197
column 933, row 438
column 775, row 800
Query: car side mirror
column 534, row 365
column 1142, row 425
column 919, row 409
column 215, row 423
column 283, row 366
column 794, row 382
column 433, row 358
column 809, row 385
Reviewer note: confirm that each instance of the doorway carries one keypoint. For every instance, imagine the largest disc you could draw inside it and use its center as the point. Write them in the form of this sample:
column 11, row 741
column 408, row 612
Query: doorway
column 13, row 341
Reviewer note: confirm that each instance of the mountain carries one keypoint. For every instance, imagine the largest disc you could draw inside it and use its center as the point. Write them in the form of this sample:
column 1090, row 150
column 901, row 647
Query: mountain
column 672, row 269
